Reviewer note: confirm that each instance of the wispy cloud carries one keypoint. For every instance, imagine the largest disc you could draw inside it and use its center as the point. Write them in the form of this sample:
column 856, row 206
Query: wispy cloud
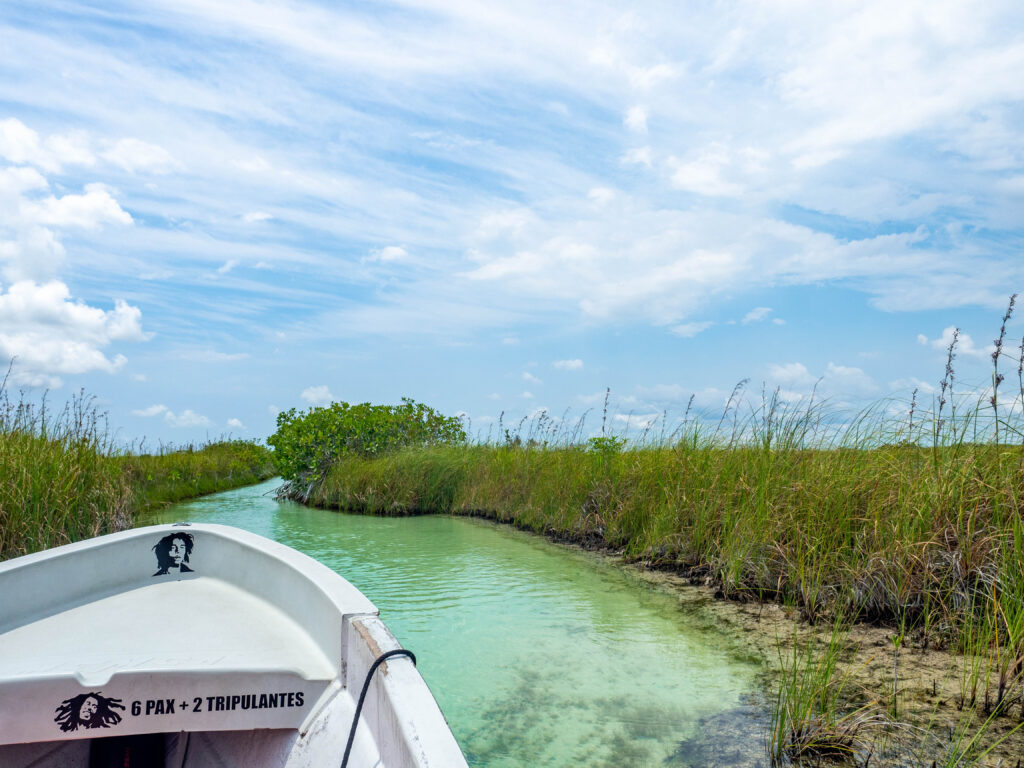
column 756, row 315
column 184, row 419
column 137, row 156
column 574, row 364
column 389, row 255
column 689, row 330
column 153, row 410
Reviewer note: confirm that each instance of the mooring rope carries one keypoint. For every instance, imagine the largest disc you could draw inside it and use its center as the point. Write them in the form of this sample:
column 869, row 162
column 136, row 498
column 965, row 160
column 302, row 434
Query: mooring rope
column 366, row 686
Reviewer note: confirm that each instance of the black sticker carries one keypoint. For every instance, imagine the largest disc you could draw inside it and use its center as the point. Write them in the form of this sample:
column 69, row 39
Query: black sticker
column 172, row 553
column 88, row 710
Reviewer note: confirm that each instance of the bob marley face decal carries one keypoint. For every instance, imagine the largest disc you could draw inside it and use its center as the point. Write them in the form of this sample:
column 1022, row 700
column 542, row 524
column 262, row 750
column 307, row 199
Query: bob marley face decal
column 88, row 710
column 173, row 552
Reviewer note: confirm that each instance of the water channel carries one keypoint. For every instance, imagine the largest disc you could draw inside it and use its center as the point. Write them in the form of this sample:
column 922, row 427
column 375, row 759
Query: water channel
column 538, row 655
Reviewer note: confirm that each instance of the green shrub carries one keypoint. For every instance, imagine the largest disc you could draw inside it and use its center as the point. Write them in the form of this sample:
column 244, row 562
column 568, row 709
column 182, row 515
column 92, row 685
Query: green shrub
column 306, row 443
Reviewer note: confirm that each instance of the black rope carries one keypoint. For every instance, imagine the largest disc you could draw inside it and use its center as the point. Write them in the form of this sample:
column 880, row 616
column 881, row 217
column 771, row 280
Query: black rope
column 366, row 686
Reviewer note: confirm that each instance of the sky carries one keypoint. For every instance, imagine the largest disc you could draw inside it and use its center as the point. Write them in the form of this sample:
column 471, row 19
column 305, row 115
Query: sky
column 212, row 211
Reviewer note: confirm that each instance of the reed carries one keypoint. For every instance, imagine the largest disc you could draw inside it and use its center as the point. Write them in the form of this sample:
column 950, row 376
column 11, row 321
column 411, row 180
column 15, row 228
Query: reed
column 812, row 715
column 63, row 479
column 56, row 484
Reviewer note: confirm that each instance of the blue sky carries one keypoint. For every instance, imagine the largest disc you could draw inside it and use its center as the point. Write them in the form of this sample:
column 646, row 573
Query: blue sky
column 213, row 210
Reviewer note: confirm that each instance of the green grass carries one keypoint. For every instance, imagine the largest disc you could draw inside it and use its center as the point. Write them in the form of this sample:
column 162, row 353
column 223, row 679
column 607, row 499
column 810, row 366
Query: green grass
column 811, row 716
column 62, row 479
column 185, row 473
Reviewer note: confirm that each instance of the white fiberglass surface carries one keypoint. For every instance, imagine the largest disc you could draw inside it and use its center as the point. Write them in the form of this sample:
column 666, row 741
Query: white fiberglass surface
column 201, row 624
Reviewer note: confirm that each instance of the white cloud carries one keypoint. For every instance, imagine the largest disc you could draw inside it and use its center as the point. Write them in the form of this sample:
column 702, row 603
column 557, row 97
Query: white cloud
column 227, row 266
column 388, row 255
column 756, row 315
column 50, row 335
column 235, row 424
column 317, row 395
column 29, row 247
column 965, row 345
column 20, row 145
column 528, row 395
column 909, row 384
column 597, row 398
column 134, row 155
column 256, row 216
column 664, row 264
column 848, row 380
column 527, row 376
column 639, row 156
column 836, row 381
column 876, row 72
column 153, row 410
column 703, row 173
column 636, row 119
column 778, row 321
column 568, row 365
column 139, row 377
column 637, row 420
column 89, row 211
column 601, row 195
column 187, row 418
column 273, row 410
column 16, row 181
column 689, row 330
column 790, row 375
column 254, row 165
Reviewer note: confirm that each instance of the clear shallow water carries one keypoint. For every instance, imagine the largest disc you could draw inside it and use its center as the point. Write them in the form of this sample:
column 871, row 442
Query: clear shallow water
column 538, row 655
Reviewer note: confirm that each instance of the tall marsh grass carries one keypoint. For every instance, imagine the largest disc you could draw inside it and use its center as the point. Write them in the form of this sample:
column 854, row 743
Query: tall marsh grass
column 63, row 479
column 56, row 482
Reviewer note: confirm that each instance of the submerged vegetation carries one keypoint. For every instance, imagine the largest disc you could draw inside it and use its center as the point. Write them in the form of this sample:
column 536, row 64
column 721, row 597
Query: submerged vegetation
column 62, row 478
column 904, row 516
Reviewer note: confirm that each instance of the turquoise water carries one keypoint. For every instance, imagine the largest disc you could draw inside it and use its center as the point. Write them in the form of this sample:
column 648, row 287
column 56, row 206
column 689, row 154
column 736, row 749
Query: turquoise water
column 538, row 655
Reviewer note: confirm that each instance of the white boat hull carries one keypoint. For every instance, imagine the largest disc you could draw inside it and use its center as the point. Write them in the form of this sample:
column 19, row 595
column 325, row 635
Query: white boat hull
column 240, row 651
